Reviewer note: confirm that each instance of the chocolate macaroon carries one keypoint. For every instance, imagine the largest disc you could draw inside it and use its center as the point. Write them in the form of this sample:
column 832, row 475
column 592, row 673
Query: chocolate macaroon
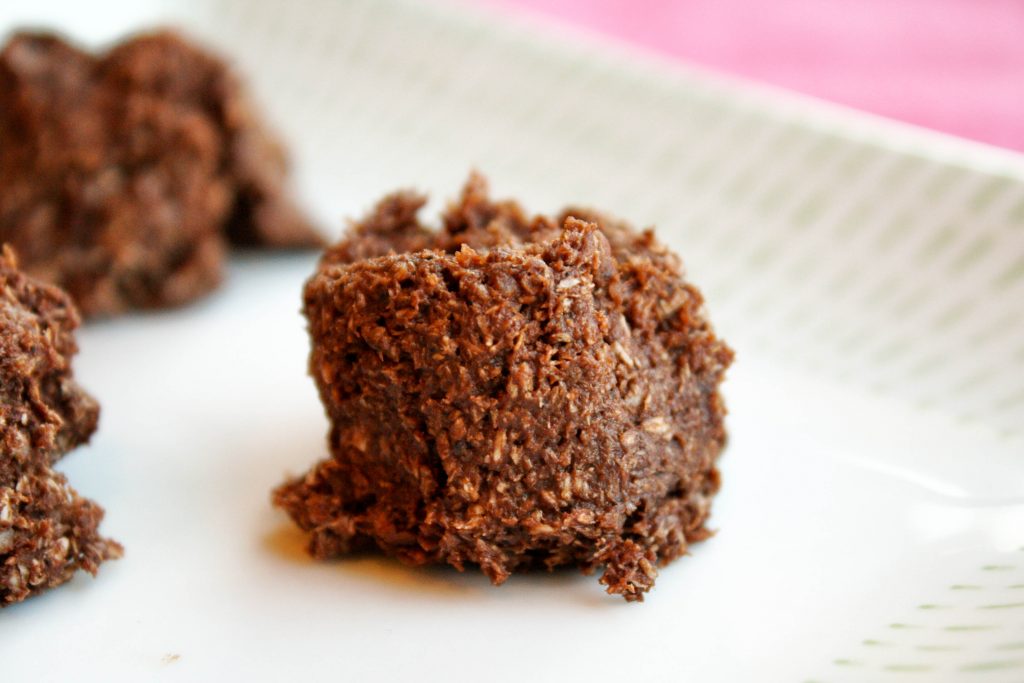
column 510, row 392
column 126, row 175
column 47, row 531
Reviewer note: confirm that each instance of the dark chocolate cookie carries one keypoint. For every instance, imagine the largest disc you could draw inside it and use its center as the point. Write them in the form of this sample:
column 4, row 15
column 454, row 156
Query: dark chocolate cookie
column 511, row 392
column 47, row 531
column 124, row 176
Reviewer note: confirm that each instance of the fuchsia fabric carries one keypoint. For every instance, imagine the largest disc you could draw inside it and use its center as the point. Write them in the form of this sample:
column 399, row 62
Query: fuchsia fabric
column 952, row 65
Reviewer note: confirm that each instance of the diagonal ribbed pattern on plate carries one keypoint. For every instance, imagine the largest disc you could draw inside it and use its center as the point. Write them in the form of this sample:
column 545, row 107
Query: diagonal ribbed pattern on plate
column 854, row 250
column 974, row 627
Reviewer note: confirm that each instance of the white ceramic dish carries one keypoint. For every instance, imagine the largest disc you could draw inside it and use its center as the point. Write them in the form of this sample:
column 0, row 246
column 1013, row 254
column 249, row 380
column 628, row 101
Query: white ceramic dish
column 870, row 276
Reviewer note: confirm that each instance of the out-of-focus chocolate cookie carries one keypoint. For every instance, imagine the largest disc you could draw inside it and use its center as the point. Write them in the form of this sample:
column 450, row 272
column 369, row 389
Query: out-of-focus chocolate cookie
column 124, row 176
column 510, row 392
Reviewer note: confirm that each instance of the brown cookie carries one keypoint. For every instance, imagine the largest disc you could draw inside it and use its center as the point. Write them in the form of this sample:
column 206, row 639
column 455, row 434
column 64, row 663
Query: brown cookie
column 124, row 176
column 510, row 392
column 47, row 531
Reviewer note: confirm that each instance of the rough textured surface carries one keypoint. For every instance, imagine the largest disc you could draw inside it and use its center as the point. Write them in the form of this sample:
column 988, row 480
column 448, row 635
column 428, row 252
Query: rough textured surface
column 47, row 532
column 124, row 176
column 510, row 392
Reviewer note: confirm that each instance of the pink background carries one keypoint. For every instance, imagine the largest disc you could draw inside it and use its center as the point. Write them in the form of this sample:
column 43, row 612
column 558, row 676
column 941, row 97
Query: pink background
column 952, row 65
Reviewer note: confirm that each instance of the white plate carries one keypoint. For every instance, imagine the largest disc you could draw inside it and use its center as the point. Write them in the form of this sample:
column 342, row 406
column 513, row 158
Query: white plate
column 870, row 276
